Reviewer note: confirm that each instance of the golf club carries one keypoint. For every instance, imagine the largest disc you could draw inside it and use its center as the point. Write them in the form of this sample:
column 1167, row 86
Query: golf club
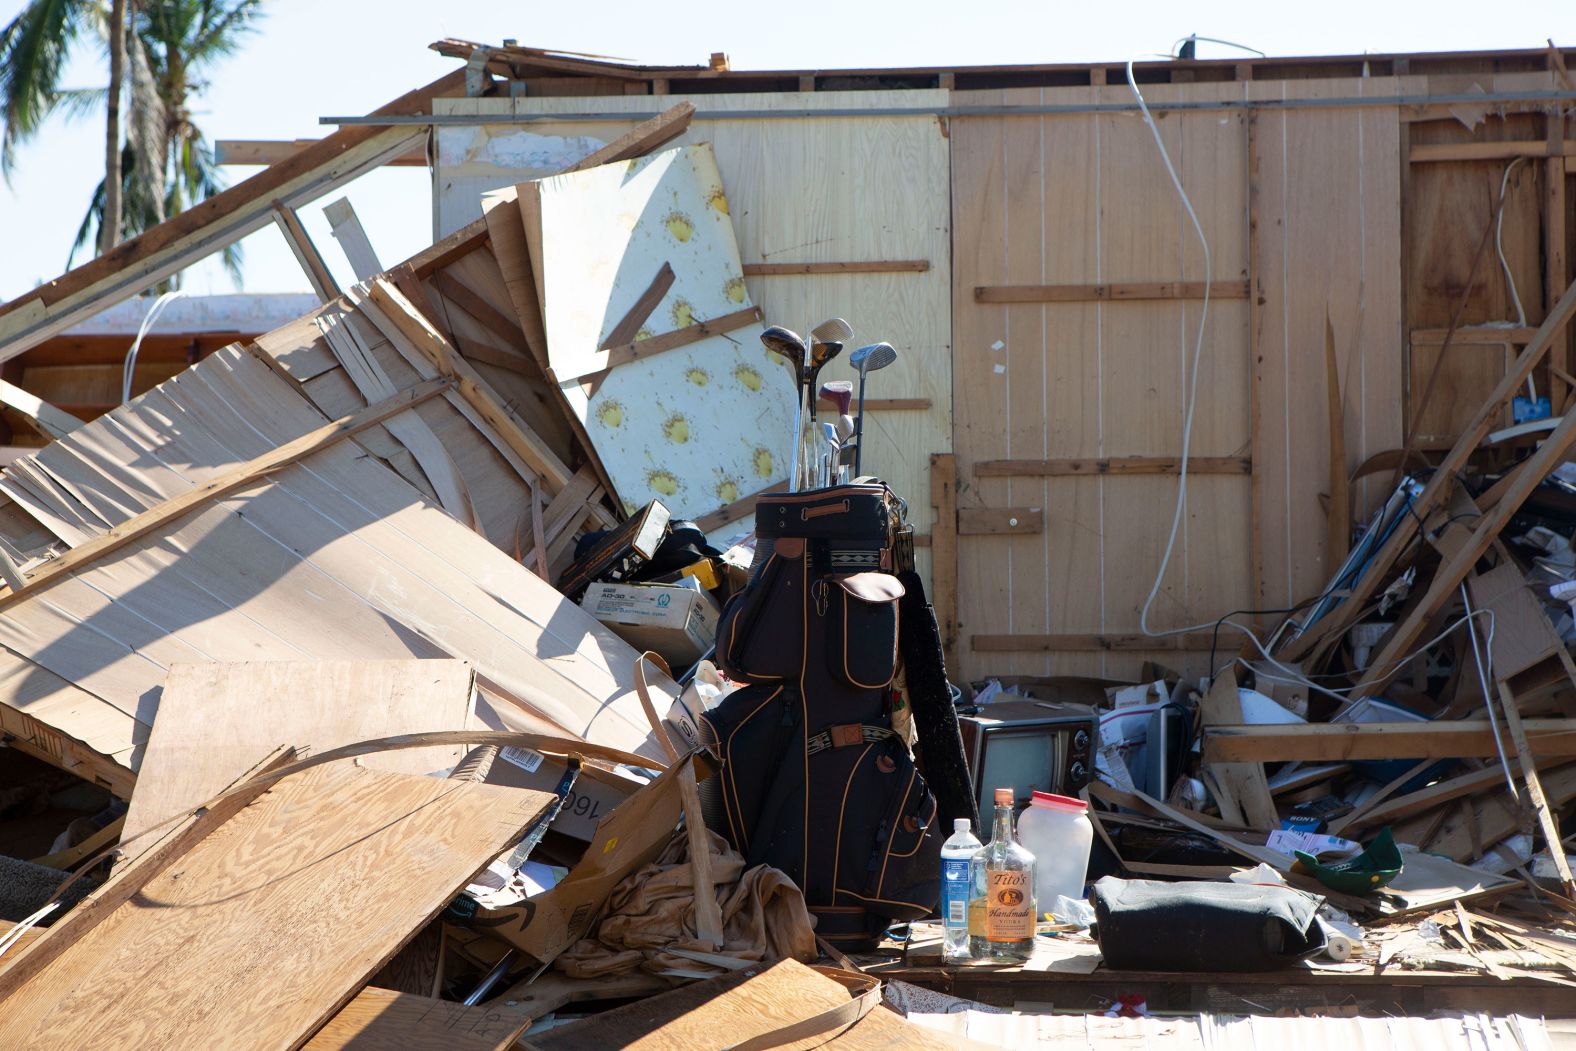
column 826, row 342
column 866, row 360
column 787, row 344
column 829, row 454
column 841, row 394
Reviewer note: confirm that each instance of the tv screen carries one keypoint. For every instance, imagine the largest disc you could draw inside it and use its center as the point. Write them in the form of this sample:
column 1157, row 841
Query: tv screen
column 1023, row 759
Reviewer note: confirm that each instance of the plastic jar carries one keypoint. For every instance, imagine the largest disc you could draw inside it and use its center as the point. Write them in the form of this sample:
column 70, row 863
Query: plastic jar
column 1056, row 830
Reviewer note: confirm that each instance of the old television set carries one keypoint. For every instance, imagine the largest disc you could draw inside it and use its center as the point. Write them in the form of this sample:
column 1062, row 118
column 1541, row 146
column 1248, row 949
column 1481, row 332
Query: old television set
column 1029, row 746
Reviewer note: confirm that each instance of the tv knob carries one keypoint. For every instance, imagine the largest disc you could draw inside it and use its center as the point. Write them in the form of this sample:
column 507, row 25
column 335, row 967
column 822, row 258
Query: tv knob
column 1081, row 740
column 1079, row 773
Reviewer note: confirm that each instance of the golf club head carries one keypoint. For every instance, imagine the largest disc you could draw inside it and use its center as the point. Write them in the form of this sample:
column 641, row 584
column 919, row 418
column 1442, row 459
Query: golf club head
column 835, row 330
column 786, row 344
column 840, row 393
column 872, row 358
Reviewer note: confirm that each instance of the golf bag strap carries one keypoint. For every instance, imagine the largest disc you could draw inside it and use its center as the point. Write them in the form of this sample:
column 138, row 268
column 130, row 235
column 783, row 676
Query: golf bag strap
column 644, row 690
column 845, row 735
column 867, row 996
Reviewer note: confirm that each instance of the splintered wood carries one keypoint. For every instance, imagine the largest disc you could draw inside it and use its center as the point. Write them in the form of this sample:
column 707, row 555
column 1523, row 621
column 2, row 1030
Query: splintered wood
column 260, row 932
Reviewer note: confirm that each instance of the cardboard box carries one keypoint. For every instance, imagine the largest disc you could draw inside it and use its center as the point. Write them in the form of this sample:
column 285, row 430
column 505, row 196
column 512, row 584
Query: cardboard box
column 594, row 795
column 631, row 836
column 677, row 622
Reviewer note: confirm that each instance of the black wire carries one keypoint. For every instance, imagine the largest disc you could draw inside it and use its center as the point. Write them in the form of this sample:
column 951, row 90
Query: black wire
column 1214, row 638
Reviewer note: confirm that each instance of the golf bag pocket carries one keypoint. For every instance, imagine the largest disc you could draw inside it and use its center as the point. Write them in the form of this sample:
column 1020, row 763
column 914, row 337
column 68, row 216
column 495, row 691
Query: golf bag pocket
column 754, row 729
column 761, row 636
column 888, row 852
column 860, row 616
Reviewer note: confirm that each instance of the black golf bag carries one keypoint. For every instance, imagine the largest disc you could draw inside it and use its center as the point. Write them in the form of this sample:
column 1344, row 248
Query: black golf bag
column 814, row 780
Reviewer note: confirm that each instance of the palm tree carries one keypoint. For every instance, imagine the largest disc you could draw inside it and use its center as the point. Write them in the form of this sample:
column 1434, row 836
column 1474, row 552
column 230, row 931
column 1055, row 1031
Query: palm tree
column 166, row 162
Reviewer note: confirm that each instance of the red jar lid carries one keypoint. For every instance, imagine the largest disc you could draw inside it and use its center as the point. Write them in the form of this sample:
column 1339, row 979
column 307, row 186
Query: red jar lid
column 1059, row 802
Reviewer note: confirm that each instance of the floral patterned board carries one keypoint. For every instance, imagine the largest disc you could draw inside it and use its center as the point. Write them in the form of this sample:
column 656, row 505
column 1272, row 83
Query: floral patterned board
column 697, row 427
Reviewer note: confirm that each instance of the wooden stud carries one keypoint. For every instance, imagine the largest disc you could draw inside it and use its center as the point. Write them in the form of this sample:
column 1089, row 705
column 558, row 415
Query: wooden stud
column 1341, row 742
column 1108, row 292
column 1117, row 465
column 873, row 266
column 612, row 357
column 1011, row 521
column 944, row 551
column 352, row 238
column 641, row 139
column 1190, row 642
column 306, row 252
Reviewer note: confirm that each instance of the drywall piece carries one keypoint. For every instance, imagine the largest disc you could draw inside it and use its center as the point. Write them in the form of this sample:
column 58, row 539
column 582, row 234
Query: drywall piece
column 258, row 947
column 697, row 426
column 216, row 719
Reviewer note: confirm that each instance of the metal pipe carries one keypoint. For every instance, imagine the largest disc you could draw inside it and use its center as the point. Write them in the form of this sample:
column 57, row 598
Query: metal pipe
column 459, row 119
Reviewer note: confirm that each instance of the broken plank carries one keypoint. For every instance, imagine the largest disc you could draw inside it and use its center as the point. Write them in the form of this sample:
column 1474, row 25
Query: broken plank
column 468, row 300
column 51, row 421
column 1110, row 292
column 1243, row 782
column 1337, row 742
column 249, row 473
column 212, row 922
column 641, row 139
column 1118, row 465
column 306, row 253
column 629, row 325
column 352, row 238
column 413, row 328
column 385, row 1020
column 1548, row 823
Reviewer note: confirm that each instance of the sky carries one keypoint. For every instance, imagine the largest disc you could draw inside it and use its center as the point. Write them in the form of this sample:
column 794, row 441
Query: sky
column 312, row 58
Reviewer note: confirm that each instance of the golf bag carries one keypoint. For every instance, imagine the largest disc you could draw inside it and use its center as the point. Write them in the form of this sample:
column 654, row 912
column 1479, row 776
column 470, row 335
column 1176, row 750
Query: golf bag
column 814, row 780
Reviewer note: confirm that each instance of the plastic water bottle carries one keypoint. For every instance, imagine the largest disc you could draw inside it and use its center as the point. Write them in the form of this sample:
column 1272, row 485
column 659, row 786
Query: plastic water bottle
column 955, row 855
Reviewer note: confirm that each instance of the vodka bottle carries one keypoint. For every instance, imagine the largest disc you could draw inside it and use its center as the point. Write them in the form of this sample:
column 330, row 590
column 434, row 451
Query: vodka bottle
column 1002, row 908
column 956, row 853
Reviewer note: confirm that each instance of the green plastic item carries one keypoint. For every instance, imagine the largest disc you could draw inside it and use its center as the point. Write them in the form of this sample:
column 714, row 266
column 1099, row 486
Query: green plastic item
column 1378, row 864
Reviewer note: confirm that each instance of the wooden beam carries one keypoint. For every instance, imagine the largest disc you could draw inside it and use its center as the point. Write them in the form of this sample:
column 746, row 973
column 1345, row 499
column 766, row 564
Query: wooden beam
column 210, row 225
column 641, row 139
column 50, row 420
column 1430, row 153
column 1548, row 823
column 1008, row 521
column 268, row 152
column 628, row 327
column 65, row 859
column 607, row 360
column 1439, row 486
column 1118, row 465
column 874, row 266
column 1389, row 658
column 306, row 253
column 738, row 509
column 1117, row 292
column 413, row 327
column 352, row 238
column 1486, row 335
column 247, row 474
column 1192, row 642
column 944, row 553
column 1339, row 742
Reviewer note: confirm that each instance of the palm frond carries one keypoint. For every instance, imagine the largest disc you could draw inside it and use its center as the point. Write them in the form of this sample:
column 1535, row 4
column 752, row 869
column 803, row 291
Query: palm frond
column 34, row 47
column 223, row 25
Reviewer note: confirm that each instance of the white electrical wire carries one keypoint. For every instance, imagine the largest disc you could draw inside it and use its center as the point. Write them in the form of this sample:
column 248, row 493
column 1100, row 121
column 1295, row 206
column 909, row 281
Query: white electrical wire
column 129, row 367
column 1482, row 658
column 1504, row 264
column 14, row 935
column 1198, row 351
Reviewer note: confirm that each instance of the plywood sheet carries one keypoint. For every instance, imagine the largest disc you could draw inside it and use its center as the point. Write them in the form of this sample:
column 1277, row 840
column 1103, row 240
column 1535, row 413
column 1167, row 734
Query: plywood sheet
column 699, row 426
column 216, row 720
column 821, row 187
column 384, row 1020
column 264, row 929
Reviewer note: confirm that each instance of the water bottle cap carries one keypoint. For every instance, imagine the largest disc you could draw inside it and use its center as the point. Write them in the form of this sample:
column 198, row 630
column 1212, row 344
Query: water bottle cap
column 962, row 824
